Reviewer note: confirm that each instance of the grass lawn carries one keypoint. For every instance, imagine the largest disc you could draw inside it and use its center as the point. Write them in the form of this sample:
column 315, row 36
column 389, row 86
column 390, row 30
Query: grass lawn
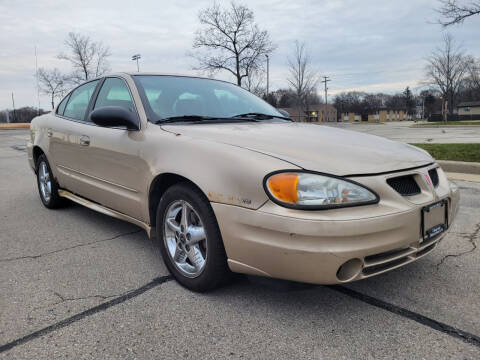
column 450, row 123
column 456, row 152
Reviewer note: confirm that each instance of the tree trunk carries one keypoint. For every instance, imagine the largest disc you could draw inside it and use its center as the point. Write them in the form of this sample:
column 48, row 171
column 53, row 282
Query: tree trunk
column 237, row 67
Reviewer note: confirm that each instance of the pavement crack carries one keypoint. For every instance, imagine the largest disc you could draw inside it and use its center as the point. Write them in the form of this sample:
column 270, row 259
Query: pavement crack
column 103, row 297
column 69, row 248
column 471, row 238
column 90, row 311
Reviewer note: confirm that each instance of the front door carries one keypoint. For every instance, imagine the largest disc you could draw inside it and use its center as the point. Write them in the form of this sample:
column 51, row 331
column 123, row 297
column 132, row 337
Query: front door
column 108, row 163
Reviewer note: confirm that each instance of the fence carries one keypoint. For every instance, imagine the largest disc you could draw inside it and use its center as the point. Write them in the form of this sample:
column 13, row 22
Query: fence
column 453, row 117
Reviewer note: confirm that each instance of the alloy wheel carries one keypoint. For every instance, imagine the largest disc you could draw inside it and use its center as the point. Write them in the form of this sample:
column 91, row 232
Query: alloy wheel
column 185, row 238
column 44, row 180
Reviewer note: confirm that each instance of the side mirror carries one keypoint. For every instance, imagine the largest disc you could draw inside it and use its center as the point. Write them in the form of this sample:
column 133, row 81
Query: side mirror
column 115, row 116
column 284, row 113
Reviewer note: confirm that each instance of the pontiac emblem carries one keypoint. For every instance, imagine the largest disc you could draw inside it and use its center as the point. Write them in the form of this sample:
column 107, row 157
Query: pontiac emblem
column 427, row 178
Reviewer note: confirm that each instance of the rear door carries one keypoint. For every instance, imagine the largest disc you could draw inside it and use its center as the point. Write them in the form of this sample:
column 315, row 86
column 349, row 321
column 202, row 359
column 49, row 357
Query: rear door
column 107, row 161
column 63, row 141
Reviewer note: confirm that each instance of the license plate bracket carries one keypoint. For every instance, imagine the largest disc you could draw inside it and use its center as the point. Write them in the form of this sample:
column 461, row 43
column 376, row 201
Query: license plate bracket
column 428, row 229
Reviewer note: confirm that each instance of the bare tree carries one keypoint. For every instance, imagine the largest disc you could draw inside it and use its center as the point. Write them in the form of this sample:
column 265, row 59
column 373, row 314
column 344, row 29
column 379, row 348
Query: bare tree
column 88, row 58
column 230, row 40
column 446, row 69
column 454, row 12
column 474, row 72
column 255, row 82
column 52, row 83
column 302, row 77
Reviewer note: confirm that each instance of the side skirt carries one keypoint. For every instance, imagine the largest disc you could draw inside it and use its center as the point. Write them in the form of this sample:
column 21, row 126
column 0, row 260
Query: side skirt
column 104, row 210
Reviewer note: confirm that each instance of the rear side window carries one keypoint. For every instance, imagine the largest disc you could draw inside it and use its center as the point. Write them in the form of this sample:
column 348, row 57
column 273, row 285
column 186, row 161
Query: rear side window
column 114, row 92
column 61, row 107
column 79, row 99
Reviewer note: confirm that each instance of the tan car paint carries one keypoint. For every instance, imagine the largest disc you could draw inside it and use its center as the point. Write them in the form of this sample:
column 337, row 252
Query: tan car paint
column 228, row 163
column 320, row 148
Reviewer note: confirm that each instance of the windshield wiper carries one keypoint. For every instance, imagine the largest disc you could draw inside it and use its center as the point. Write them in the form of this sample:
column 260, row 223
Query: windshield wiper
column 259, row 116
column 185, row 118
column 199, row 118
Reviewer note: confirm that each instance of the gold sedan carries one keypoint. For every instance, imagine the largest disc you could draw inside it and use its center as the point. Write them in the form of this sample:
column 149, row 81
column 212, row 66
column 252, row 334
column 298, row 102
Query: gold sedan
column 226, row 183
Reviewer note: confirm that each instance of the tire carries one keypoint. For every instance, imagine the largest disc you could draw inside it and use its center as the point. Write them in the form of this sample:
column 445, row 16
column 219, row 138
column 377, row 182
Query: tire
column 47, row 185
column 200, row 266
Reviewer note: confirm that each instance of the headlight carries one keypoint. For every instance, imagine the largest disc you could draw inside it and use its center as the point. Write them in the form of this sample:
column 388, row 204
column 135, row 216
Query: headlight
column 310, row 191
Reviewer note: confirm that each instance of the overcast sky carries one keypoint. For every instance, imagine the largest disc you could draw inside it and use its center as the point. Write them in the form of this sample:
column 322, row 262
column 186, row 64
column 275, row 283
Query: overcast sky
column 369, row 45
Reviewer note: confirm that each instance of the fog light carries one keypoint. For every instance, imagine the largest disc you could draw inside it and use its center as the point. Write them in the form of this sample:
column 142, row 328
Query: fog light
column 349, row 270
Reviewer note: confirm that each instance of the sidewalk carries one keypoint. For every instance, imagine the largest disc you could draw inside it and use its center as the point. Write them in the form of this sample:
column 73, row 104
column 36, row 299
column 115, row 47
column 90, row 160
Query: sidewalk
column 463, row 177
column 460, row 167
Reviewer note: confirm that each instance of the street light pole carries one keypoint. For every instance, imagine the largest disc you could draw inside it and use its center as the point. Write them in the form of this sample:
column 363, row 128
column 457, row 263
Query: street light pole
column 14, row 114
column 136, row 57
column 268, row 71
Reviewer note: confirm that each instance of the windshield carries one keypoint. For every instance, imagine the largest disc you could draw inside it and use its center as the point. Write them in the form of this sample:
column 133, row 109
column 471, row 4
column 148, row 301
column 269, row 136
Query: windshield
column 176, row 96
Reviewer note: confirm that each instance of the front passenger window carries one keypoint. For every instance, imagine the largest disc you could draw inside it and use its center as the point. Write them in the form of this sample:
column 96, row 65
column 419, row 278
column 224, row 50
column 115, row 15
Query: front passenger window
column 114, row 92
column 78, row 102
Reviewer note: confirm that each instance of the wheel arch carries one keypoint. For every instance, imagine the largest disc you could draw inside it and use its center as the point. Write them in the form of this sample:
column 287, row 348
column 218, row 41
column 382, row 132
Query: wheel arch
column 158, row 186
column 36, row 153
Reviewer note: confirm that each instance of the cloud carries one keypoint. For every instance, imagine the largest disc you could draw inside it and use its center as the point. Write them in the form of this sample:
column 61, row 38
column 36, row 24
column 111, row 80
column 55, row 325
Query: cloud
column 369, row 45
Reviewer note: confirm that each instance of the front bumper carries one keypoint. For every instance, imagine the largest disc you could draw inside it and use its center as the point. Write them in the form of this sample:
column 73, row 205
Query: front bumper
column 311, row 246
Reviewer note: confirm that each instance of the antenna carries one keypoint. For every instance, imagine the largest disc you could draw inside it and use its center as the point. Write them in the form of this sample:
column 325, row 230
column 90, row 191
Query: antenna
column 36, row 77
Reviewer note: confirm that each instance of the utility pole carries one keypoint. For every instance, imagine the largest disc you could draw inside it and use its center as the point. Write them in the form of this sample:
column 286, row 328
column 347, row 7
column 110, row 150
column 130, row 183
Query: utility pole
column 423, row 108
column 325, row 80
column 268, row 70
column 14, row 114
column 136, row 57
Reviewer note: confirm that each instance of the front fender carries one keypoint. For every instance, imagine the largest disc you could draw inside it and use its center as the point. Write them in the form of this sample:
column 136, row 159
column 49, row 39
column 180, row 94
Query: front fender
column 226, row 174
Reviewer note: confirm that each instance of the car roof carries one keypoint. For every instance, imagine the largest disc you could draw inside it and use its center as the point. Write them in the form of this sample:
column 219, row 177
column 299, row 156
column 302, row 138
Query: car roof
column 163, row 74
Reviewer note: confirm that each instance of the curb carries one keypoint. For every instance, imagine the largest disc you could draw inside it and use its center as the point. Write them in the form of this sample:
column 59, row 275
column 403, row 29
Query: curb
column 14, row 126
column 443, row 127
column 460, row 166
column 463, row 177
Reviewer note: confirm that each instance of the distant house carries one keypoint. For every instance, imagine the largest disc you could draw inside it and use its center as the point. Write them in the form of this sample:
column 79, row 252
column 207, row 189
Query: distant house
column 380, row 116
column 315, row 113
column 469, row 108
column 350, row 117
column 383, row 115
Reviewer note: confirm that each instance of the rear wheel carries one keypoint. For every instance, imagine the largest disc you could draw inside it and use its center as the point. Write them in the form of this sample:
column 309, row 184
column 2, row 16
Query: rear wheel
column 47, row 186
column 190, row 240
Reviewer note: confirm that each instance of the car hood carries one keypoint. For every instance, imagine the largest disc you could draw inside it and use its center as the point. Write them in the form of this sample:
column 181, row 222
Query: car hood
column 313, row 147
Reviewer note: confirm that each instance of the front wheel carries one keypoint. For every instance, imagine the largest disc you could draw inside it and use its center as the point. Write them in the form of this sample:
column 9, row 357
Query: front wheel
column 190, row 240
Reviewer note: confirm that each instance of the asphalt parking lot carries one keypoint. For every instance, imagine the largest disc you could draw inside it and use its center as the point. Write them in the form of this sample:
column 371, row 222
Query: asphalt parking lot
column 78, row 284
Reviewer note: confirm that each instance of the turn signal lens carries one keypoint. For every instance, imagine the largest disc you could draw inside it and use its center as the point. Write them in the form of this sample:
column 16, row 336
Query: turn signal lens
column 304, row 190
column 283, row 186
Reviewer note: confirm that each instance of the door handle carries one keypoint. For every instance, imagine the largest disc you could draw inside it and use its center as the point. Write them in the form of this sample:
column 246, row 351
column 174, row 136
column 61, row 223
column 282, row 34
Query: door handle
column 49, row 132
column 84, row 140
